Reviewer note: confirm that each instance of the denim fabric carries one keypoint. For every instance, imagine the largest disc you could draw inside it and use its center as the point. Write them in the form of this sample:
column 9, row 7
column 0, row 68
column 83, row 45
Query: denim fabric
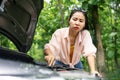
column 78, row 65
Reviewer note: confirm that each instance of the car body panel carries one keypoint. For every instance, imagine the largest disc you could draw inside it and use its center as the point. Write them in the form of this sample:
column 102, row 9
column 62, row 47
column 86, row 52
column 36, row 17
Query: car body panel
column 20, row 66
column 18, row 19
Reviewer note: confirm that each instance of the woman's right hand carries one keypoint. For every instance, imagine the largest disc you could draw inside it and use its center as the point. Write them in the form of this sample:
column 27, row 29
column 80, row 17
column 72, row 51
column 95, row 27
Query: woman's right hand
column 50, row 59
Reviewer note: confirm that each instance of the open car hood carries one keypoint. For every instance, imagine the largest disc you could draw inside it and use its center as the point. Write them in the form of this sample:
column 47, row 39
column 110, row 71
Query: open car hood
column 18, row 19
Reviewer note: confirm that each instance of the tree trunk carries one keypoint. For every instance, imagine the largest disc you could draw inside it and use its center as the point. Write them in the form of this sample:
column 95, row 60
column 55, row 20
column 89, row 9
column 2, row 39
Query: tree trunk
column 115, row 37
column 61, row 13
column 100, row 52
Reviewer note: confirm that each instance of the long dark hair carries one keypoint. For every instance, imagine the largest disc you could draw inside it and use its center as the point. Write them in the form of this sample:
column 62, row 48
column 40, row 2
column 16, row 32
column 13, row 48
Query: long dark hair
column 84, row 13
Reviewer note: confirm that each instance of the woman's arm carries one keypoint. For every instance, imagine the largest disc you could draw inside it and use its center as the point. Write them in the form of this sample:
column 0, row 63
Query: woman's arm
column 91, row 62
column 51, row 49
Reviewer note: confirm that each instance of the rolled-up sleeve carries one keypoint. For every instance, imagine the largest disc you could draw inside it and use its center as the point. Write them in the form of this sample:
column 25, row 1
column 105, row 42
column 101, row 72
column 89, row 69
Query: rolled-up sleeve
column 88, row 46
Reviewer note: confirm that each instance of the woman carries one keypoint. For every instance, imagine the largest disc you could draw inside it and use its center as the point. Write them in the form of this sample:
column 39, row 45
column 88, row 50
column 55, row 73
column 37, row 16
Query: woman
column 69, row 44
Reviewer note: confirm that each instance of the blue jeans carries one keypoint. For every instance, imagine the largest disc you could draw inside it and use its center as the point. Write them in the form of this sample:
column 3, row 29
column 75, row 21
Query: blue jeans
column 79, row 65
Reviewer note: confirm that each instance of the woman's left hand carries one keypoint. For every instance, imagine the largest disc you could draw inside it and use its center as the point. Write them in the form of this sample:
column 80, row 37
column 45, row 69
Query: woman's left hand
column 96, row 73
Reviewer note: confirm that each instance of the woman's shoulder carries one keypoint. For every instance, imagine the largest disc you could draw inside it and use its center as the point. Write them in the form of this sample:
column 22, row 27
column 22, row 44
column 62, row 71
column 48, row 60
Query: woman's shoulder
column 62, row 30
column 85, row 31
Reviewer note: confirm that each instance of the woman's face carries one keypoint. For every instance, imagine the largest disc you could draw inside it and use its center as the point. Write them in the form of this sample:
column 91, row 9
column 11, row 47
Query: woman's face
column 77, row 21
